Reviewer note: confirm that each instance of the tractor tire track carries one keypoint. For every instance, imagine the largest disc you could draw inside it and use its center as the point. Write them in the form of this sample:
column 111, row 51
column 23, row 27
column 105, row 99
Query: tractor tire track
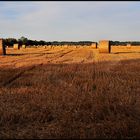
column 19, row 74
column 59, row 56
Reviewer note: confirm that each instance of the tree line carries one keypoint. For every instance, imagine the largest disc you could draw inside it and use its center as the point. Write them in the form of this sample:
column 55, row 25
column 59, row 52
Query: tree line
column 124, row 43
column 26, row 41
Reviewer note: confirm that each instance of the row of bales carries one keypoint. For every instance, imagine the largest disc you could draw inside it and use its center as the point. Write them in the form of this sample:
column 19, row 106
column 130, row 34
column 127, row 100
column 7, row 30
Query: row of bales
column 104, row 46
column 3, row 47
column 17, row 46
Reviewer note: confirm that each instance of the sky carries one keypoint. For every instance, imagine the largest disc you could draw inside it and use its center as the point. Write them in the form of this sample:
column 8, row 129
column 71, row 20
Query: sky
column 70, row 21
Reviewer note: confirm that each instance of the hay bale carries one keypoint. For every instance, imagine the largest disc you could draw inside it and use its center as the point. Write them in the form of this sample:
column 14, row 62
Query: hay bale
column 65, row 46
column 48, row 46
column 74, row 46
column 16, row 46
column 2, row 48
column 104, row 46
column 94, row 45
column 23, row 46
column 128, row 46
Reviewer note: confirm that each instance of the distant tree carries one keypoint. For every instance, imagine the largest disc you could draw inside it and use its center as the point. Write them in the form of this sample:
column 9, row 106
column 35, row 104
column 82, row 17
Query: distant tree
column 10, row 41
column 23, row 40
column 41, row 42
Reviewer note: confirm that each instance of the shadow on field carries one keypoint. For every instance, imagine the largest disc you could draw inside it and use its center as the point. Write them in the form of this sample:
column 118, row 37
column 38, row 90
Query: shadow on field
column 28, row 54
column 123, row 52
column 94, row 100
column 14, row 54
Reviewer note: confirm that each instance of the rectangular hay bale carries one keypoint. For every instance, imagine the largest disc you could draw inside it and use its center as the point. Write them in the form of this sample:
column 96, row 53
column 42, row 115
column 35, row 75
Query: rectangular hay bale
column 104, row 46
column 2, row 48
column 94, row 45
column 23, row 46
column 16, row 46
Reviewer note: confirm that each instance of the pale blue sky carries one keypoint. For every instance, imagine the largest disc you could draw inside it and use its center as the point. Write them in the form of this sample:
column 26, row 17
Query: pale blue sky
column 70, row 21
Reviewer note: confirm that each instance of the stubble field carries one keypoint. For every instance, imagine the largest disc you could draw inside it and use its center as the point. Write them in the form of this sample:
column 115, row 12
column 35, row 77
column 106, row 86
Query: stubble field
column 70, row 93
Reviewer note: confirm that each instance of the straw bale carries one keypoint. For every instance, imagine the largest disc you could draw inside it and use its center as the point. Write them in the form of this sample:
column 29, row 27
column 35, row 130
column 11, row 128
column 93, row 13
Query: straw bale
column 104, row 46
column 2, row 48
column 16, row 46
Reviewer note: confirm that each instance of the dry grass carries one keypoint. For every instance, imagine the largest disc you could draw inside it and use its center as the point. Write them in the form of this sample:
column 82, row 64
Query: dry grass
column 87, row 100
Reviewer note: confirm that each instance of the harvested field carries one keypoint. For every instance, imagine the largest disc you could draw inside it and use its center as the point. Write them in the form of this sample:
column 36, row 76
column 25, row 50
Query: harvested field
column 70, row 93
